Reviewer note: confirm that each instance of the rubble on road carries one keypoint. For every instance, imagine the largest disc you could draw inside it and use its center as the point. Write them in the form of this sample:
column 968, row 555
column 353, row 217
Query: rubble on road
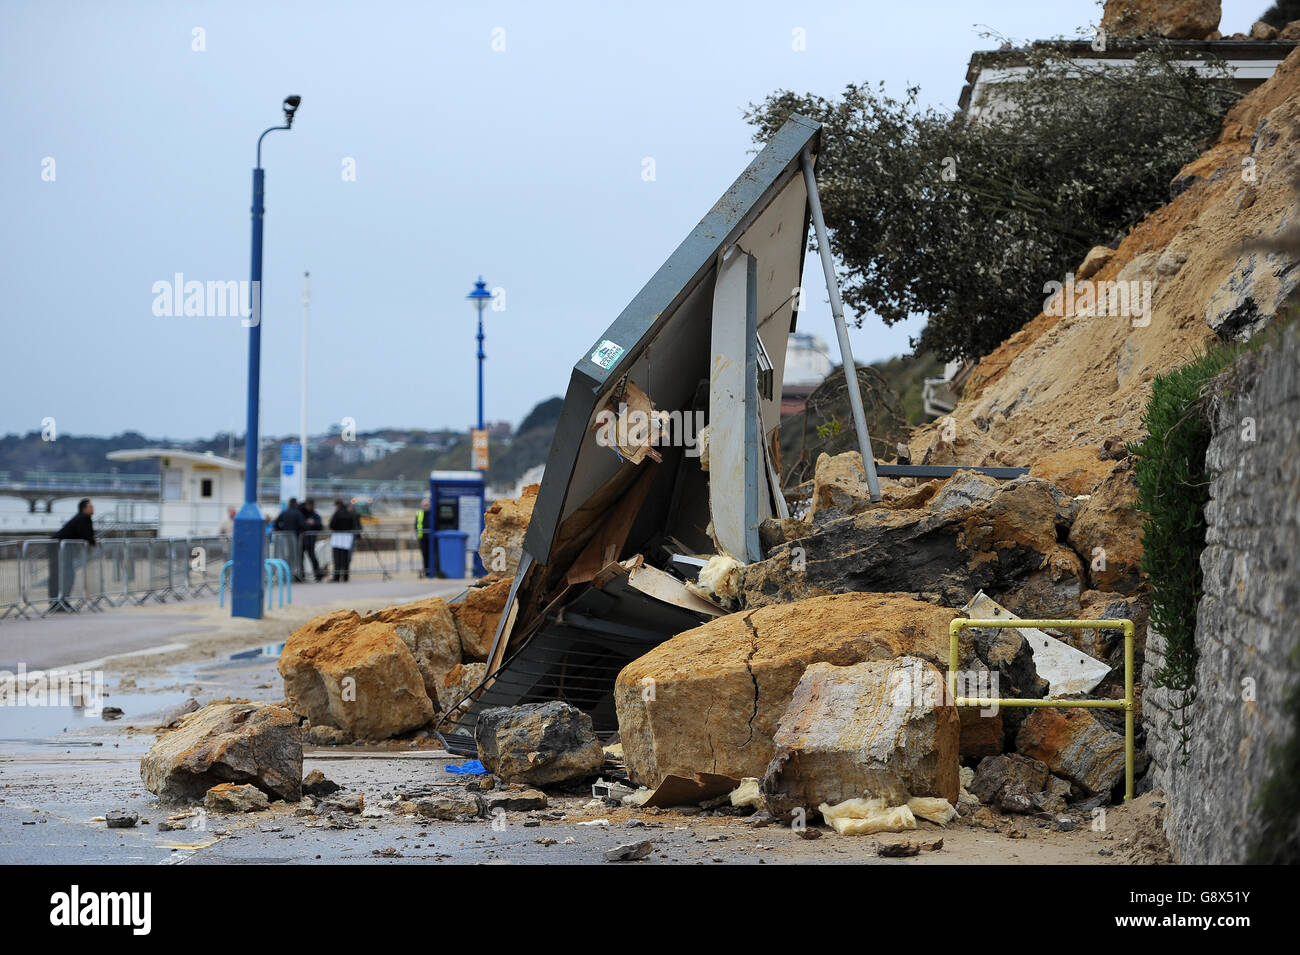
column 1008, row 782
column 120, row 819
column 539, row 743
column 172, row 718
column 256, row 743
column 452, row 806
column 315, row 784
column 904, row 850
column 631, row 852
column 235, row 798
column 457, row 686
column 515, row 799
column 429, row 630
column 1109, row 531
column 351, row 803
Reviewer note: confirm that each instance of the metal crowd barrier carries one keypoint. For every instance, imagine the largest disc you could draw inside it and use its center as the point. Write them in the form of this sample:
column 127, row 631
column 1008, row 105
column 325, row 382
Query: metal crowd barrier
column 1127, row 704
column 42, row 576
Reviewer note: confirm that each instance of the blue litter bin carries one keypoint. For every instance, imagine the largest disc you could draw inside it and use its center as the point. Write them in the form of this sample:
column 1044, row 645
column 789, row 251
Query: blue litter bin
column 451, row 553
column 456, row 500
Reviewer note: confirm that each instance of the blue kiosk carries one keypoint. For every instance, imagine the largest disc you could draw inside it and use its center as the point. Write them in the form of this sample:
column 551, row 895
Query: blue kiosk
column 456, row 505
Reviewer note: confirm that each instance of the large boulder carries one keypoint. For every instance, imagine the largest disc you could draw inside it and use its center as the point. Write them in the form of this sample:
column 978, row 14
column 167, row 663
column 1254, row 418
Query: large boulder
column 1075, row 746
column 879, row 729
column 478, row 614
column 255, row 743
column 1107, row 534
column 355, row 674
column 504, row 526
column 430, row 631
column 710, row 699
column 974, row 534
column 1175, row 19
column 538, row 743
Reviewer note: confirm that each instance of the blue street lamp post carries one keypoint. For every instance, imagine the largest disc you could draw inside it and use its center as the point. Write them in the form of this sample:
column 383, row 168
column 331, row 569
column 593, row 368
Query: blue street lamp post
column 249, row 548
column 480, row 297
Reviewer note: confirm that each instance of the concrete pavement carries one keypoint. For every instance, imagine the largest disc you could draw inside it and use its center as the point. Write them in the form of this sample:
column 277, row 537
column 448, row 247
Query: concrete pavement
column 67, row 639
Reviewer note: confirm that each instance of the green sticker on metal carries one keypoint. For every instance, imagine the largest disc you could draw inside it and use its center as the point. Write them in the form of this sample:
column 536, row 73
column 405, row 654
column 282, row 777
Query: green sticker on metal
column 607, row 353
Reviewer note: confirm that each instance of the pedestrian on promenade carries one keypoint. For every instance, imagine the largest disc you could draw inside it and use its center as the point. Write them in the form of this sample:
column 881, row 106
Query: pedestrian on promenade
column 63, row 560
column 291, row 522
column 311, row 531
column 422, row 521
column 343, row 527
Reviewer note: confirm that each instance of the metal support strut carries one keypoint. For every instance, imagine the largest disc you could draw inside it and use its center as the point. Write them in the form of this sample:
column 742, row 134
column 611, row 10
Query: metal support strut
column 841, row 330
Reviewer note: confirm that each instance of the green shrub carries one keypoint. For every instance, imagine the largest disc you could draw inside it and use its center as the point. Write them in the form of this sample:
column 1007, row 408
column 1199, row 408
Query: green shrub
column 1173, row 489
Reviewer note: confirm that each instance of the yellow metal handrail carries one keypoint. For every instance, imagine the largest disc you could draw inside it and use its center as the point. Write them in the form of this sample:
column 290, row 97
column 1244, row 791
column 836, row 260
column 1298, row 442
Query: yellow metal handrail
column 961, row 623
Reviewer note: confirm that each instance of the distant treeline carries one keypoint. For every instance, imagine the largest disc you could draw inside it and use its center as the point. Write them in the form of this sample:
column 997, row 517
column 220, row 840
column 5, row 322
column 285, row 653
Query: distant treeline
column 509, row 458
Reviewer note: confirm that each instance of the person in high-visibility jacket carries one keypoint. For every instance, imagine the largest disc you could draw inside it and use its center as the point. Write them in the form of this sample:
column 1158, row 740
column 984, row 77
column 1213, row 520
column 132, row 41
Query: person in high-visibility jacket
column 422, row 521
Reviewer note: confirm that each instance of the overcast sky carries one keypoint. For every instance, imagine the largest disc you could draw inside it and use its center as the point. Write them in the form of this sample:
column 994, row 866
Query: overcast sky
column 524, row 164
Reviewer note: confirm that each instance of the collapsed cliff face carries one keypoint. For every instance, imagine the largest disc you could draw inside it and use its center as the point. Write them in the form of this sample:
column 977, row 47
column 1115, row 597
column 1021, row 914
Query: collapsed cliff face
column 1082, row 378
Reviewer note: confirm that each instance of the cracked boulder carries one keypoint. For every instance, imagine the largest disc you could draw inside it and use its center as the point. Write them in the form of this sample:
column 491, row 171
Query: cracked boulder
column 974, row 534
column 710, row 700
column 357, row 674
column 879, row 729
column 538, row 743
column 258, row 744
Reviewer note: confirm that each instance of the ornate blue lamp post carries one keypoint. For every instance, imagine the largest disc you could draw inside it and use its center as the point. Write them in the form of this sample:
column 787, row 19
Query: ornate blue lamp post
column 249, row 548
column 480, row 297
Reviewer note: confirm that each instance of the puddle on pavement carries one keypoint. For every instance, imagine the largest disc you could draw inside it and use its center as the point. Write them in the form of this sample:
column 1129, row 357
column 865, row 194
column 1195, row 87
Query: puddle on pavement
column 63, row 725
column 26, row 724
column 271, row 651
